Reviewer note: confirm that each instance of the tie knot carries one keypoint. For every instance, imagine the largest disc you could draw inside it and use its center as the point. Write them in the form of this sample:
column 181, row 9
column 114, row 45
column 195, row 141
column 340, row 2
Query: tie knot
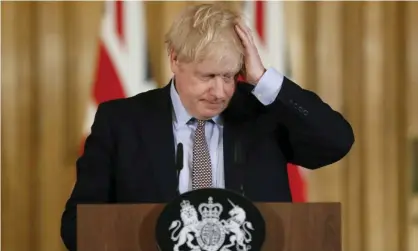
column 201, row 123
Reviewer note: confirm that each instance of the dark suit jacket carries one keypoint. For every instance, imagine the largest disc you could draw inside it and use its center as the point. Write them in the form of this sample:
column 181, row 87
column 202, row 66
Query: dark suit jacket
column 129, row 156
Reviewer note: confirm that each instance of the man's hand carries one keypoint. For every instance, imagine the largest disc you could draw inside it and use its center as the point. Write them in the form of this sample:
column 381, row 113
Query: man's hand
column 253, row 66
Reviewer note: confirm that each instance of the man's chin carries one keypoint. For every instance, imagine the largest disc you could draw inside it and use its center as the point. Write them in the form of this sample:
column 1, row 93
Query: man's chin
column 210, row 112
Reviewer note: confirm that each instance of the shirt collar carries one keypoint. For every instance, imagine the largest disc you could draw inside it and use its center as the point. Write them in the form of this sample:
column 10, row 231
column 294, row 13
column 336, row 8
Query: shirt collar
column 180, row 115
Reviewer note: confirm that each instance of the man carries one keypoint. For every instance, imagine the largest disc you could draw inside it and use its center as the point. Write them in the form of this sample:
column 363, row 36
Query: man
column 235, row 135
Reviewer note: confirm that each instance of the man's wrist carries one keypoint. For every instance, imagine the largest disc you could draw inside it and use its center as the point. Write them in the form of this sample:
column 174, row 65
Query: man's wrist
column 268, row 86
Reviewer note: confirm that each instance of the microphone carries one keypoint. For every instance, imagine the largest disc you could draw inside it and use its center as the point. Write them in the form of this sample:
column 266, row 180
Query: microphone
column 179, row 164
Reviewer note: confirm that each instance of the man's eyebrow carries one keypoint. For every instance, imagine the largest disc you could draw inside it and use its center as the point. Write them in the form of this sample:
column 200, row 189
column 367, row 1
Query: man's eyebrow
column 220, row 73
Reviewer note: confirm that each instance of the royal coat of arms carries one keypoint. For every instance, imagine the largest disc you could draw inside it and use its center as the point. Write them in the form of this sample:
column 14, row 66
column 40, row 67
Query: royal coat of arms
column 211, row 233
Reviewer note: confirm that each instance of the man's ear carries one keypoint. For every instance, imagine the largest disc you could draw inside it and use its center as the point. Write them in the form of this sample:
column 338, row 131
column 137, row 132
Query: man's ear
column 173, row 61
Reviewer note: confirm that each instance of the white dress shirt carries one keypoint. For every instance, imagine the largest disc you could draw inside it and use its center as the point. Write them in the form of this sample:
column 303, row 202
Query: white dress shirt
column 266, row 92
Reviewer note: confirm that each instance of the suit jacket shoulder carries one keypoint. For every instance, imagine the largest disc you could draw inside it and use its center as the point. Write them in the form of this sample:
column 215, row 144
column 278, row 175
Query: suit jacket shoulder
column 136, row 106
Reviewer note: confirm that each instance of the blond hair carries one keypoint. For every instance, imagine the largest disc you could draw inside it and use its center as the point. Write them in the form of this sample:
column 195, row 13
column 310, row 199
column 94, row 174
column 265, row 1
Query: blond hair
column 205, row 31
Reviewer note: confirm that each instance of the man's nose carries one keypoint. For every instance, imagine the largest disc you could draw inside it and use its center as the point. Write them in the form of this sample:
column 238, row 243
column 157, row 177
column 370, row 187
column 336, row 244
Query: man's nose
column 218, row 87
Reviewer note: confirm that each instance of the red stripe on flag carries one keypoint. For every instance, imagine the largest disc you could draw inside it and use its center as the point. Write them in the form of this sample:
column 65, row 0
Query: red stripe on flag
column 119, row 20
column 297, row 184
column 107, row 84
column 259, row 19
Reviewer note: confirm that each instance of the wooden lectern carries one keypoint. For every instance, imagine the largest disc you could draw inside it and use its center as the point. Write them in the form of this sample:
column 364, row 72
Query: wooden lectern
column 289, row 227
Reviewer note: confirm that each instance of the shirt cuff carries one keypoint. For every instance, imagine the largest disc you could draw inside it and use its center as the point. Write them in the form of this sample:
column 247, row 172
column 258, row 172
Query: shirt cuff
column 269, row 86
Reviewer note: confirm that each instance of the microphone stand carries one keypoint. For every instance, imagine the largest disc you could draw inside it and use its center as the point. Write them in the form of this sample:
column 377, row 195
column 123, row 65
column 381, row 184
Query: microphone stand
column 179, row 164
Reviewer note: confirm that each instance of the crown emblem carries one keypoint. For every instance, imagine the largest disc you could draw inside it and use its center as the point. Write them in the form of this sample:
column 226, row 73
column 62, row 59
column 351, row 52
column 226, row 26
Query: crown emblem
column 210, row 210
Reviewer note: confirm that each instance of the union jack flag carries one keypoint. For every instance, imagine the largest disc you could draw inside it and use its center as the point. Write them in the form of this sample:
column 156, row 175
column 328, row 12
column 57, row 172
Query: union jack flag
column 266, row 19
column 123, row 68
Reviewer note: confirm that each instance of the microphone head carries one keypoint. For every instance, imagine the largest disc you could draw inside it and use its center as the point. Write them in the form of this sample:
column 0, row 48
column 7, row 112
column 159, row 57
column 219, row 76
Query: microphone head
column 179, row 147
column 179, row 159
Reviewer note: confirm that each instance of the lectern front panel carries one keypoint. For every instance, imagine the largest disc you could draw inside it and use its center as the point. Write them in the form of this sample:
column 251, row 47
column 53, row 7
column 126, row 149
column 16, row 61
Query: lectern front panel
column 289, row 227
column 117, row 227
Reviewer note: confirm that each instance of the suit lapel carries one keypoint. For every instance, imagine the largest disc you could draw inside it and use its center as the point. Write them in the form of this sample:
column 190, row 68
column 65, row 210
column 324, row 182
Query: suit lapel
column 232, row 172
column 236, row 136
column 157, row 133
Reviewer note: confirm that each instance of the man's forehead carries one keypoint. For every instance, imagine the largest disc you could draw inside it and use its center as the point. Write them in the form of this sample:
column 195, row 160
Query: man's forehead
column 218, row 66
column 218, row 71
